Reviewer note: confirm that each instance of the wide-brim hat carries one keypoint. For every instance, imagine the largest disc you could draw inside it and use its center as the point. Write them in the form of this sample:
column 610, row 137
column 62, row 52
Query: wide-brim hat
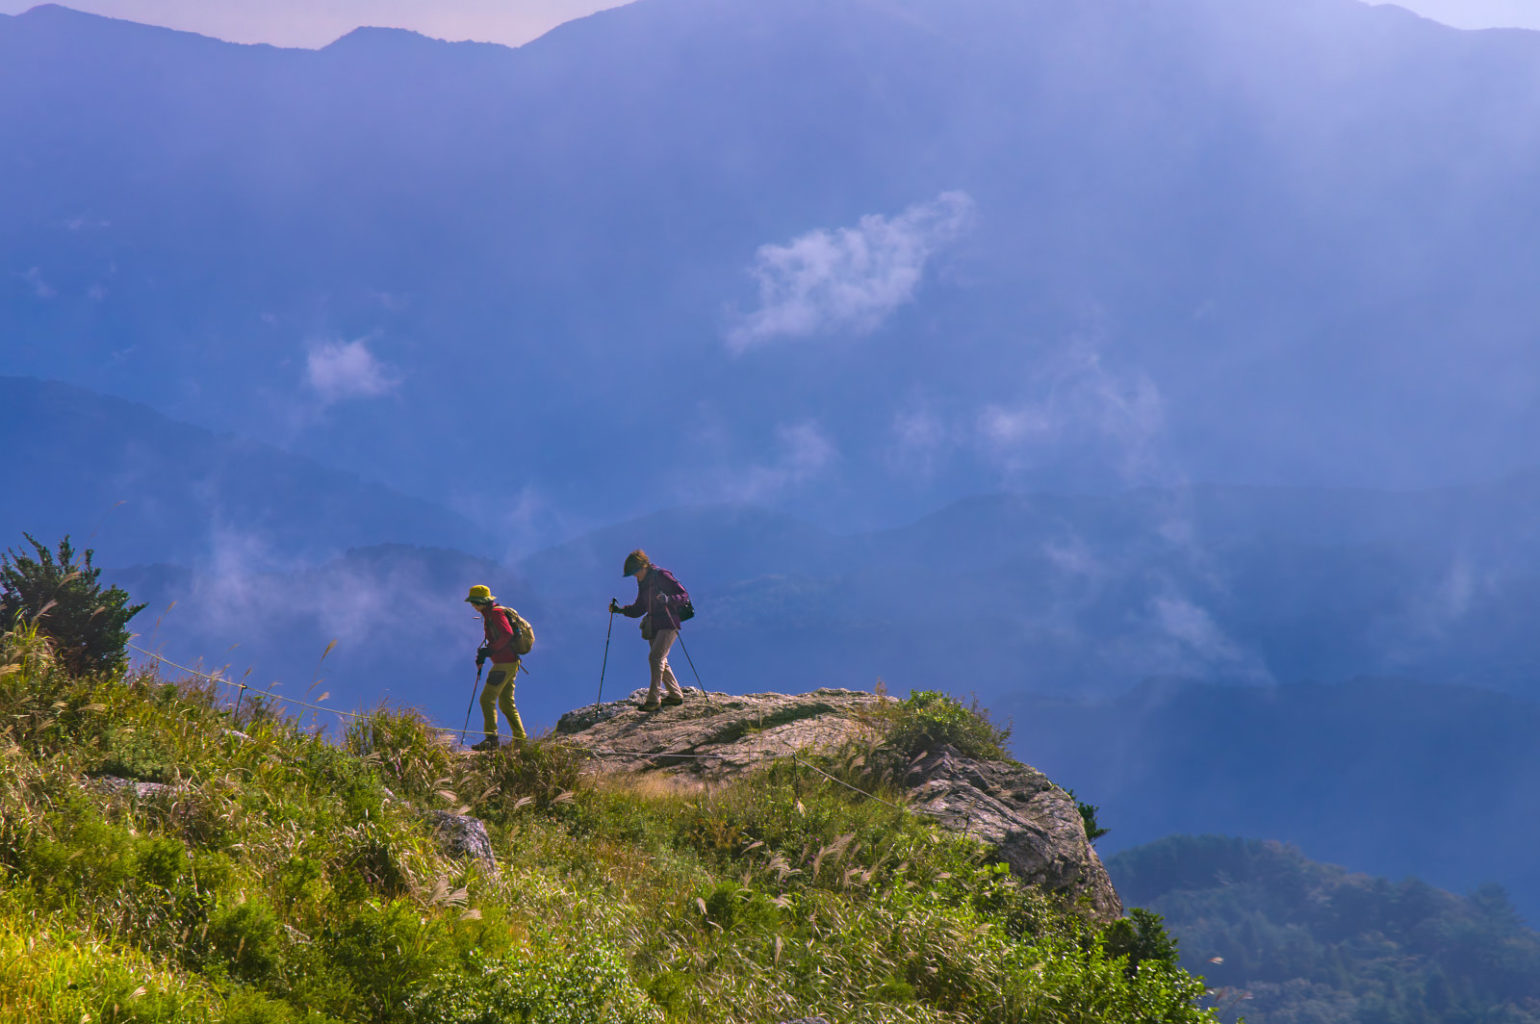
column 480, row 595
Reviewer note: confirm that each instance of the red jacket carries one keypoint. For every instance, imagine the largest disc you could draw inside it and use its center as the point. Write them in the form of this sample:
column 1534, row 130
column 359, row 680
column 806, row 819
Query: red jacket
column 499, row 635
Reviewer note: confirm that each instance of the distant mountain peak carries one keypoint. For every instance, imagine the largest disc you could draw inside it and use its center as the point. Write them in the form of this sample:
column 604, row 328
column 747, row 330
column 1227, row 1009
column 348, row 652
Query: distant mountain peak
column 376, row 39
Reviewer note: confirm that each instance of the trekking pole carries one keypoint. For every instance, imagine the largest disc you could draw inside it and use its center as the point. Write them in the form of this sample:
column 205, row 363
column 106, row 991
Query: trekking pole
column 606, row 663
column 680, row 640
column 466, row 727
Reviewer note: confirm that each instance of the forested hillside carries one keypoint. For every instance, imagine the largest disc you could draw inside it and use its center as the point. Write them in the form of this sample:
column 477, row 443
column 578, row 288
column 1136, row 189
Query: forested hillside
column 1287, row 940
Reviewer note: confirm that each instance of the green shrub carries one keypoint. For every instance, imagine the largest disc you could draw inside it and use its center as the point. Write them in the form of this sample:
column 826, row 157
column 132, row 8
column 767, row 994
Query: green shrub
column 535, row 772
column 730, row 905
column 1093, row 829
column 929, row 719
column 415, row 756
column 387, row 955
column 64, row 598
column 552, row 986
column 139, row 755
column 248, row 937
column 246, row 1006
column 1141, row 937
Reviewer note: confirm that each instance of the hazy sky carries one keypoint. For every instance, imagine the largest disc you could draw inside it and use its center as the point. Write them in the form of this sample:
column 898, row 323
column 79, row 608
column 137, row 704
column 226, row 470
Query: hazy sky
column 315, row 23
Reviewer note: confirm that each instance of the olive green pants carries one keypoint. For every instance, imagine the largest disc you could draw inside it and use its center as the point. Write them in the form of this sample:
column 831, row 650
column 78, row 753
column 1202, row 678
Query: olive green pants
column 499, row 693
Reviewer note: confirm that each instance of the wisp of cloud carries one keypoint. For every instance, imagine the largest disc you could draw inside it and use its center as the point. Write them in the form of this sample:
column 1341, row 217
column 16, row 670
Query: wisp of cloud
column 850, row 279
column 338, row 370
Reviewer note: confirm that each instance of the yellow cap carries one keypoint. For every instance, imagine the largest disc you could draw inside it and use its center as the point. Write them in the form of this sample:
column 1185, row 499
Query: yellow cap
column 481, row 595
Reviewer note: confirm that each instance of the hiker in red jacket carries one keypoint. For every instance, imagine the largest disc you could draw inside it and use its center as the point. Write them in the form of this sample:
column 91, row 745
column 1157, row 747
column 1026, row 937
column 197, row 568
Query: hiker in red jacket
column 500, row 646
column 659, row 599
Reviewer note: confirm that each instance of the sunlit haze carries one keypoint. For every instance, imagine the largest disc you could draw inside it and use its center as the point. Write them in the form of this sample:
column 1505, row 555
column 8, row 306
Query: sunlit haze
column 297, row 23
column 314, row 24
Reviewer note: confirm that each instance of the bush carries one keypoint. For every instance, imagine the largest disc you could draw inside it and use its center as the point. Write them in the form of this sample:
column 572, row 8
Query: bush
column 249, row 938
column 929, row 719
column 1093, row 828
column 416, row 757
column 553, row 986
column 1141, row 937
column 64, row 598
column 535, row 771
column 138, row 755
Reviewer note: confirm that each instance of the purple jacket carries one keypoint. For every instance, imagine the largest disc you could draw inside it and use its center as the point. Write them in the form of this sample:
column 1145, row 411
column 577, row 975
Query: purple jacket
column 658, row 597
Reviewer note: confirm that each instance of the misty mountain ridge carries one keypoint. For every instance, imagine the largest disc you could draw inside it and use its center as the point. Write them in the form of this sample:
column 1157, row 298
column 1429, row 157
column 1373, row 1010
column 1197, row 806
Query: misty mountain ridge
column 1392, row 776
column 140, row 487
column 1198, row 241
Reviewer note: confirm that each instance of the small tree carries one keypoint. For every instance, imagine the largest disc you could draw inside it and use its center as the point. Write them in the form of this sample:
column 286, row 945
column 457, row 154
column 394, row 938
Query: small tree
column 65, row 599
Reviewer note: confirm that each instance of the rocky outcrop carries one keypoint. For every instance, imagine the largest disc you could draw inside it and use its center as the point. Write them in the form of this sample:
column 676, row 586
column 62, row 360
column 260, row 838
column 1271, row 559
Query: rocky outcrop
column 1034, row 825
column 464, row 837
column 718, row 734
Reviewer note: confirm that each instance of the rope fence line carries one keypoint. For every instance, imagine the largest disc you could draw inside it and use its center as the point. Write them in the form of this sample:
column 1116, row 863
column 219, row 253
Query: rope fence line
column 243, row 687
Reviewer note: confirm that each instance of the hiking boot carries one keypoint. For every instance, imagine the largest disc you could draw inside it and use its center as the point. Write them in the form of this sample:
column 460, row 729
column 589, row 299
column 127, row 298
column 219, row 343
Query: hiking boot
column 672, row 702
column 650, row 705
column 490, row 743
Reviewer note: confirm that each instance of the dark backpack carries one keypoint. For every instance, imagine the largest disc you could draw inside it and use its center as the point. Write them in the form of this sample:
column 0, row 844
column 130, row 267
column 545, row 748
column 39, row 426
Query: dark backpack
column 685, row 611
column 523, row 632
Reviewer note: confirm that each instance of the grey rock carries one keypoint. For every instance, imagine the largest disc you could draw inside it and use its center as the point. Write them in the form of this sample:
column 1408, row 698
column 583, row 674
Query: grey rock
column 1034, row 825
column 113, row 785
column 718, row 734
column 464, row 837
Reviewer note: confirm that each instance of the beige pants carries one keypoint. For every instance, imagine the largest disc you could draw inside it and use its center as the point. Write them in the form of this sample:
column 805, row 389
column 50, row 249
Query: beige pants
column 657, row 660
column 499, row 693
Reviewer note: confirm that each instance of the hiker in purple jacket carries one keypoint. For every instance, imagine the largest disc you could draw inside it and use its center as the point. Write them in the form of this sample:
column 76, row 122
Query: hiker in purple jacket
column 659, row 597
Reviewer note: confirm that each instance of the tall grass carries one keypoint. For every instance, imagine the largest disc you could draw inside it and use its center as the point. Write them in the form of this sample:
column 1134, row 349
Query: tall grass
column 281, row 877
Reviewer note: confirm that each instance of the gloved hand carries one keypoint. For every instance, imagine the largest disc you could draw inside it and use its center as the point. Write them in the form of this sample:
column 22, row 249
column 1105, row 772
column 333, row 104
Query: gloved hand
column 614, row 606
column 482, row 653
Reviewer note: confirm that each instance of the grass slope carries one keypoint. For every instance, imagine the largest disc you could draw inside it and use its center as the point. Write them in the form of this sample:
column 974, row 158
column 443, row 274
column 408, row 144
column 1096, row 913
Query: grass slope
column 283, row 877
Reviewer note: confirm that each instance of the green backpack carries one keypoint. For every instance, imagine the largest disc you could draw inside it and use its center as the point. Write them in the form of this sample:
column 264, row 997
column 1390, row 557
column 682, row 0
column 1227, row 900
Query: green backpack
column 523, row 632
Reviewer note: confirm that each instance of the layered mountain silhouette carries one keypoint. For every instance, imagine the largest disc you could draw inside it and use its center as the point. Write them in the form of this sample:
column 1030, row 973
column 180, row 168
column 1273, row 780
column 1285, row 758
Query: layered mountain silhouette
column 140, row 487
column 1390, row 776
column 1109, row 243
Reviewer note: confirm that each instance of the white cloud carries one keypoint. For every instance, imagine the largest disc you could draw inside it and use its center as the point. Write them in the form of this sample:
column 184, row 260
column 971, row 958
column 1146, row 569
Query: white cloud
column 848, row 280
column 1199, row 637
column 338, row 370
column 1076, row 399
column 41, row 288
column 1072, row 556
column 921, row 441
column 805, row 452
